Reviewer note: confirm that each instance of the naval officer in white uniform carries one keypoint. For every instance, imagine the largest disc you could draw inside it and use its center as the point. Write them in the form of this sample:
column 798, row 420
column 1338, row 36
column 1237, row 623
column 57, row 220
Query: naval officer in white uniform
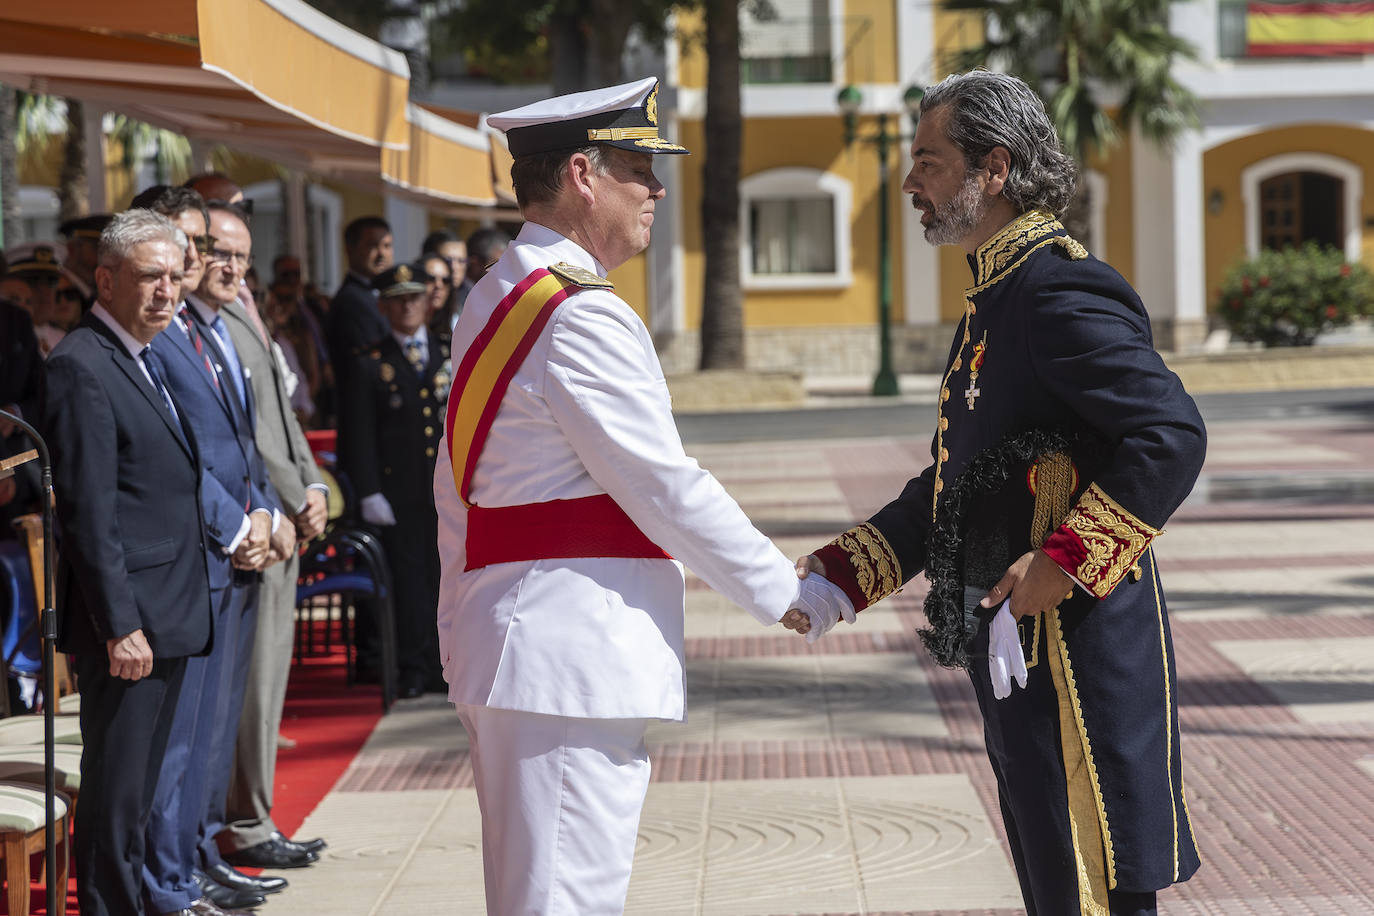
column 567, row 509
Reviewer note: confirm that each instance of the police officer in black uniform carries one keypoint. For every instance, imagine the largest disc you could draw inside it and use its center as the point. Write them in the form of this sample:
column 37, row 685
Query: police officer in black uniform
column 391, row 419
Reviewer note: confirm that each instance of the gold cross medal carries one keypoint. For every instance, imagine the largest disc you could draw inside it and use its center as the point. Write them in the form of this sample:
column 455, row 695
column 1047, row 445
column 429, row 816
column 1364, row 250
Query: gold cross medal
column 975, row 365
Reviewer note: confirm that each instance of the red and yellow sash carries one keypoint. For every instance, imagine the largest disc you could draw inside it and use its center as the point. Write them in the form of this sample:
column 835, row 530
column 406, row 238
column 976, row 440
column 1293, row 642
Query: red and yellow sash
column 592, row 526
column 489, row 364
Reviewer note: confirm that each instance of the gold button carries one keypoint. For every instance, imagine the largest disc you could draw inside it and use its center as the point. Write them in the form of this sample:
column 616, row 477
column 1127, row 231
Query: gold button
column 429, row 430
column 972, row 309
column 386, row 470
column 944, row 394
column 393, row 387
column 944, row 423
column 939, row 484
column 424, row 392
column 429, row 452
column 944, row 454
column 427, row 411
column 958, row 363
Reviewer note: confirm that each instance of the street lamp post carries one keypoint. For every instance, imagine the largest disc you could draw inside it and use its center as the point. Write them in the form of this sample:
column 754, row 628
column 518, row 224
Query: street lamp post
column 849, row 101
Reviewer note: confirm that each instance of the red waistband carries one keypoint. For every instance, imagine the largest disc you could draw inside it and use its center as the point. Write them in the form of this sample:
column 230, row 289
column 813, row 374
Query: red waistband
column 593, row 526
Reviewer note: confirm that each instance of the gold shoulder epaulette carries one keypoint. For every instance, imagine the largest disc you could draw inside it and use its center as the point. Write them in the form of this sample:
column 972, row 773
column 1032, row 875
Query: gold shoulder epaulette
column 580, row 276
column 1072, row 247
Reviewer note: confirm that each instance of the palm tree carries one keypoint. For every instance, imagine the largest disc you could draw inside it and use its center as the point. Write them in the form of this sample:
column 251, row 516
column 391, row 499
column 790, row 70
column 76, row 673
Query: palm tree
column 9, row 168
column 1075, row 52
column 722, row 319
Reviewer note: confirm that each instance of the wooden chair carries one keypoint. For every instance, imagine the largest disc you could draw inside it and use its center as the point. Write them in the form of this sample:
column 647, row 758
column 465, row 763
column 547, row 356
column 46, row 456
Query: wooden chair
column 31, row 526
column 23, row 832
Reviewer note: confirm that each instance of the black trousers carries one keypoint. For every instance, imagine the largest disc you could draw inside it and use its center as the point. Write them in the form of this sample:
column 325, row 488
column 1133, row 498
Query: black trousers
column 124, row 728
column 412, row 552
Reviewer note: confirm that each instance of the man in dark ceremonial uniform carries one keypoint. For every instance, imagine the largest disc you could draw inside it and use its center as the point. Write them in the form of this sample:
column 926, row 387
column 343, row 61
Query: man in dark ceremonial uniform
column 1063, row 445
column 393, row 413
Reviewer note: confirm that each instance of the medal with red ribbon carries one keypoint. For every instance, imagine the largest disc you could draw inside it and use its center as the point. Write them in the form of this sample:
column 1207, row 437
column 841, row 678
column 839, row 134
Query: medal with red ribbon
column 975, row 365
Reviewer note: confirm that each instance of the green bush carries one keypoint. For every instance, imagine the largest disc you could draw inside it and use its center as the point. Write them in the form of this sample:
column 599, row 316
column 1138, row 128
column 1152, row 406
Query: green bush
column 1286, row 298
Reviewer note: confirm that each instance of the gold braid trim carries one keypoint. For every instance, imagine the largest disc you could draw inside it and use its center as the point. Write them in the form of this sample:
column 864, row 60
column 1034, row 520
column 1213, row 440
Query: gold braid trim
column 1090, row 835
column 1113, row 539
column 1051, row 479
column 875, row 563
column 1004, row 247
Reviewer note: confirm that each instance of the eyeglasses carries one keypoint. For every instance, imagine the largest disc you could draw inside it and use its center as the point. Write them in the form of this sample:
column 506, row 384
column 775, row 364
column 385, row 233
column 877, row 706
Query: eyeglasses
column 204, row 243
column 446, row 281
column 220, row 256
column 70, row 295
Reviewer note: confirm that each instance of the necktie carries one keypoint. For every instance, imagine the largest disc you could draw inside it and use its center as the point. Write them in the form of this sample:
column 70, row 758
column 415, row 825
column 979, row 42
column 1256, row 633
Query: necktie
column 231, row 356
column 194, row 334
column 155, row 373
column 415, row 352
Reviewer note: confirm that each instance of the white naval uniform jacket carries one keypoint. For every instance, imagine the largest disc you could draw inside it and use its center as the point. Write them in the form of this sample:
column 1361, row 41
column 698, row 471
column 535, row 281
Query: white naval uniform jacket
column 587, row 413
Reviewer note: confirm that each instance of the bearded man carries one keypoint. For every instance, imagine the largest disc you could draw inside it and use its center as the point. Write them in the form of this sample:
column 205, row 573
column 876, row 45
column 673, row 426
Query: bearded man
column 1062, row 446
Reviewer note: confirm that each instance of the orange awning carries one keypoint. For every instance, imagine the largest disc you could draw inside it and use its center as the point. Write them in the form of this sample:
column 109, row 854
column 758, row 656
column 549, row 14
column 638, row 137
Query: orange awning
column 272, row 77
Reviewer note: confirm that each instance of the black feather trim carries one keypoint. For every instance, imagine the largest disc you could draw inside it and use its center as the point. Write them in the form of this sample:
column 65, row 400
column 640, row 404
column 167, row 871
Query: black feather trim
column 951, row 631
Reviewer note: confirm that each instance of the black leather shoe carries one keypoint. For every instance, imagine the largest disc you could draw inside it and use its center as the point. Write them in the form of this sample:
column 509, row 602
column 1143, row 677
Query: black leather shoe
column 315, row 845
column 207, row 907
column 227, row 898
column 272, row 853
column 227, row 875
column 411, row 685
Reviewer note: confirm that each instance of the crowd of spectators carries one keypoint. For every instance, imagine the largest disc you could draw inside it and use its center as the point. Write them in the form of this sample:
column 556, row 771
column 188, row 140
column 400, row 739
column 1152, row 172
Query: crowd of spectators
column 175, row 388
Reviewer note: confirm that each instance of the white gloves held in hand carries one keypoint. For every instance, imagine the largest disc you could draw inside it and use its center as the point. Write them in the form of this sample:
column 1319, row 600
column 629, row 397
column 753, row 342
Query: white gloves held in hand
column 824, row 603
column 1005, row 659
column 375, row 510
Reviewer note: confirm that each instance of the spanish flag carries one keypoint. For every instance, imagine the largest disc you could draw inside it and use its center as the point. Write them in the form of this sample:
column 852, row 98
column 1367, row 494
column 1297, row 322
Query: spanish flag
column 1302, row 29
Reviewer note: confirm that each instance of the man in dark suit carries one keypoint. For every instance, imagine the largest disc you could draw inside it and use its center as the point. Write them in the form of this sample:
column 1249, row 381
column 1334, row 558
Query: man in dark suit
column 353, row 322
column 393, row 413
column 132, row 590
column 245, row 531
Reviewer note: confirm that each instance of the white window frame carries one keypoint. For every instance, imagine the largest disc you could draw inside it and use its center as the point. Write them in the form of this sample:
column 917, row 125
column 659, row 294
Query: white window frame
column 1253, row 176
column 786, row 184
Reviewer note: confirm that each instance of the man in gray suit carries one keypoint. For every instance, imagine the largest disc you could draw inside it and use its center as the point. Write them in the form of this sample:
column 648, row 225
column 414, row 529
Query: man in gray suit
column 250, row 838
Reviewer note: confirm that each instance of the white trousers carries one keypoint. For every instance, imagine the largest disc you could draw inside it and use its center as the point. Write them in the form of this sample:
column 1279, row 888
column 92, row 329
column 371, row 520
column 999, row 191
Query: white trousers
column 560, row 800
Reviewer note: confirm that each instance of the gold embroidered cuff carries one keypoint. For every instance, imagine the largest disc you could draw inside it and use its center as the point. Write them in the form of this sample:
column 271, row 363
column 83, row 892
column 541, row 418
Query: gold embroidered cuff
column 862, row 563
column 1099, row 542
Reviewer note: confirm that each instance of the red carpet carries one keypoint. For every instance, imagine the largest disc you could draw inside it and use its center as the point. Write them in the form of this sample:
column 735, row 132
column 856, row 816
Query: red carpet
column 329, row 723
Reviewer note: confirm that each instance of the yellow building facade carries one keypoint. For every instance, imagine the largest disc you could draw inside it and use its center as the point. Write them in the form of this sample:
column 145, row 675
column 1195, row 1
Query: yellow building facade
column 1172, row 221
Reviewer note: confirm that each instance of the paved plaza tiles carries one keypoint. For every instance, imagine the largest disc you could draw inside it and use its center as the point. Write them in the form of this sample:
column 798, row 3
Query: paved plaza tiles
column 849, row 777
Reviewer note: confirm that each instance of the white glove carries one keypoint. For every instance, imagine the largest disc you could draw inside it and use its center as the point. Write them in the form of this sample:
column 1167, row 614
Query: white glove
column 377, row 511
column 823, row 602
column 1005, row 659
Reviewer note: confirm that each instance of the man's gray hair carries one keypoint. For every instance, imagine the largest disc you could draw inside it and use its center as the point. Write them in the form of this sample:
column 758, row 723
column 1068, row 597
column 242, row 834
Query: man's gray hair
column 132, row 228
column 995, row 109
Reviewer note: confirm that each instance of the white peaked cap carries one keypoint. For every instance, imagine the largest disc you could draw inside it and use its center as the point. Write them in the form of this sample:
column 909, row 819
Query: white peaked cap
column 624, row 116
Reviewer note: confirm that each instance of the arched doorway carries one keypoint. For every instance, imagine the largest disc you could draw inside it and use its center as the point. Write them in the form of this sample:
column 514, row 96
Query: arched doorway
column 1298, row 207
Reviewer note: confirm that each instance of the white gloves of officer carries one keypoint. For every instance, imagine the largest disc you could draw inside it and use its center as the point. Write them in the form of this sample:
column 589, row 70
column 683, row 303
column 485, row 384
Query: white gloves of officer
column 824, row 603
column 1005, row 659
column 376, row 510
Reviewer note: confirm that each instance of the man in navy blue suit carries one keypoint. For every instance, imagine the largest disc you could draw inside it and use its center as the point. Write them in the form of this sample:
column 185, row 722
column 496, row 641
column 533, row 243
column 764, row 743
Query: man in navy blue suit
column 133, row 593
column 245, row 530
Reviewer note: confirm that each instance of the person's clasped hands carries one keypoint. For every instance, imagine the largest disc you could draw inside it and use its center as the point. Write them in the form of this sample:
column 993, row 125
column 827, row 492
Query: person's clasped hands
column 819, row 604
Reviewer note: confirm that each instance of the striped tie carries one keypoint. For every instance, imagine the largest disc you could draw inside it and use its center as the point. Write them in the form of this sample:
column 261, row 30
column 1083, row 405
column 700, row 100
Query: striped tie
column 185, row 315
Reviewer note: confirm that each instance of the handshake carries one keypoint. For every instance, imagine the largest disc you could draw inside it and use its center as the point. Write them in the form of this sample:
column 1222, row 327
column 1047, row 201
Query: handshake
column 818, row 604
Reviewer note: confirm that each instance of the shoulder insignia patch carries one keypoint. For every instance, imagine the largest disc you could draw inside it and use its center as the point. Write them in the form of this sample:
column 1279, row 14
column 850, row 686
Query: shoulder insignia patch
column 579, row 276
column 1072, row 247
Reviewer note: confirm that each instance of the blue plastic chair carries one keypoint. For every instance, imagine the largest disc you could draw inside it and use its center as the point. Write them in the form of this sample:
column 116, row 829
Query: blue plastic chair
column 19, row 604
column 347, row 565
